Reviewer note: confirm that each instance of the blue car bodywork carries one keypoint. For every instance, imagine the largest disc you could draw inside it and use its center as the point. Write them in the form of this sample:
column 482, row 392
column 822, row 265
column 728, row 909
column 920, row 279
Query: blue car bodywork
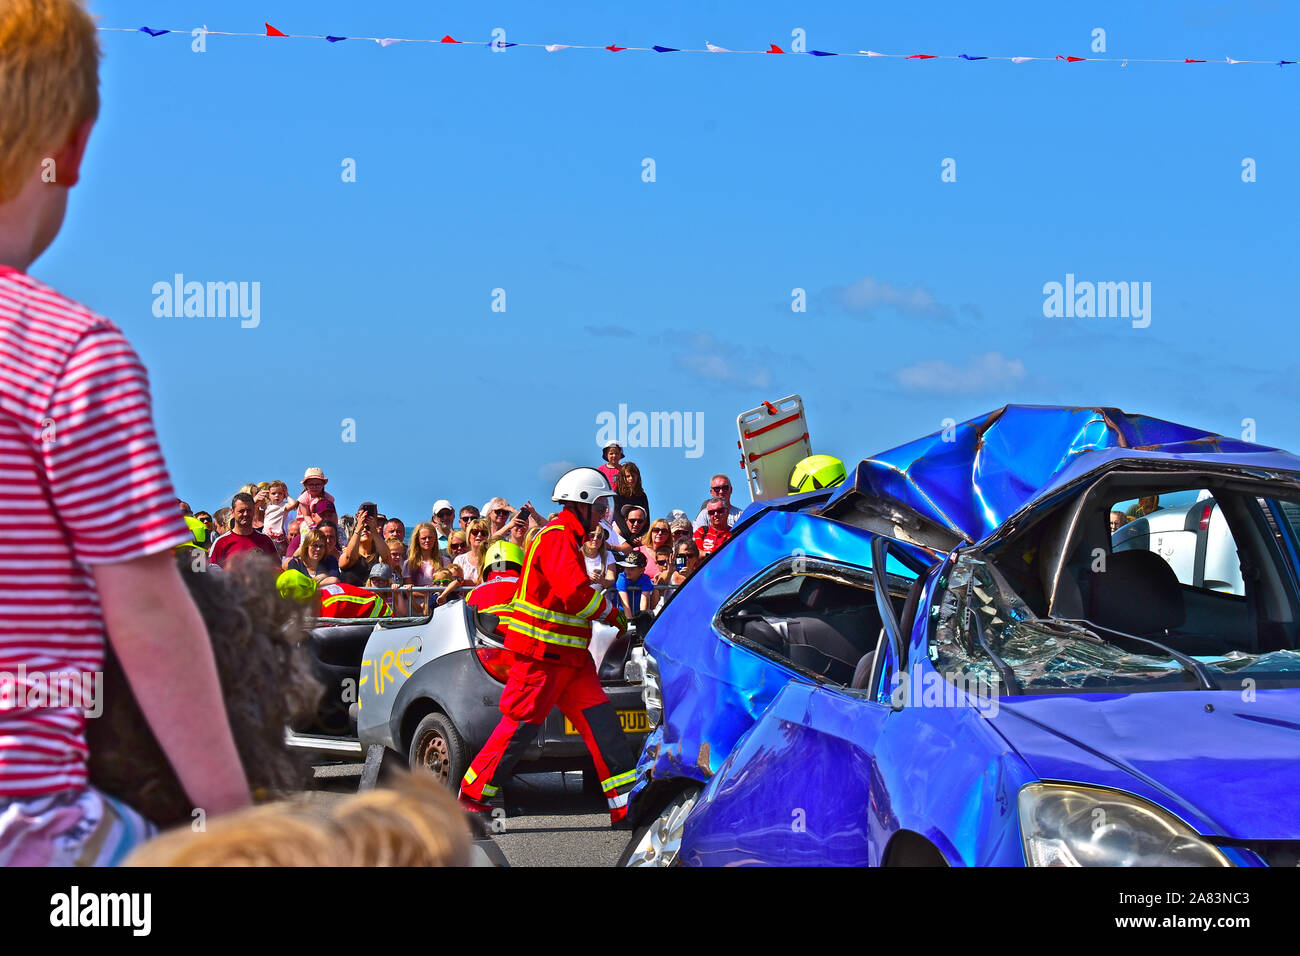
column 798, row 770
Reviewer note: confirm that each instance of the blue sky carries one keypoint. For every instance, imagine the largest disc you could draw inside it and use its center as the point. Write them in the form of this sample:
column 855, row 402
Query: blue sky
column 522, row 171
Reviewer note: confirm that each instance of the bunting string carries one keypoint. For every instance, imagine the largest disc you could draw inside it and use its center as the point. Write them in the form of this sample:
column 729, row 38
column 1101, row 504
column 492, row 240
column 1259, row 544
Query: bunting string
column 709, row 48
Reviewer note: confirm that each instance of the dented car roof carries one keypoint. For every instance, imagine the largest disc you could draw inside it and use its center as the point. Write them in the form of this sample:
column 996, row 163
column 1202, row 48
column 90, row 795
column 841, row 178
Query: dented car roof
column 970, row 478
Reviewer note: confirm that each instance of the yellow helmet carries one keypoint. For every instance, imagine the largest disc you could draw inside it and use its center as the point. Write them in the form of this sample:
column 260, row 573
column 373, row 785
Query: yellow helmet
column 501, row 555
column 817, row 471
column 198, row 535
column 296, row 585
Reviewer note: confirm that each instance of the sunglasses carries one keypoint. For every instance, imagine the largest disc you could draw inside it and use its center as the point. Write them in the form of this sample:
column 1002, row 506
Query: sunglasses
column 720, row 488
column 636, row 520
column 658, row 530
column 478, row 534
column 502, row 511
column 458, row 547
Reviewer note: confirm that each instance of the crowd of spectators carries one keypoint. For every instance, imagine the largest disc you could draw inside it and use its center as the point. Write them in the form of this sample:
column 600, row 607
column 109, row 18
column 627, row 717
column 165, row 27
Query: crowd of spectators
column 633, row 554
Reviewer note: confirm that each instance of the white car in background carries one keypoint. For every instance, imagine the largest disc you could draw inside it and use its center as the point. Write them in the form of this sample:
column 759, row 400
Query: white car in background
column 1193, row 538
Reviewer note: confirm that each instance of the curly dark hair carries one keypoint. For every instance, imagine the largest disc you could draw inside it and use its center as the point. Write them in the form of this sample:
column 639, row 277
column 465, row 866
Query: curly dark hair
column 266, row 680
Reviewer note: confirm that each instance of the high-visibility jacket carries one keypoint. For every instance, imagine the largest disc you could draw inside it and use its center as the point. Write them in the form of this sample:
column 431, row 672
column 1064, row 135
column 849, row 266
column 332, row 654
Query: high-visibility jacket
column 345, row 600
column 554, row 604
column 495, row 594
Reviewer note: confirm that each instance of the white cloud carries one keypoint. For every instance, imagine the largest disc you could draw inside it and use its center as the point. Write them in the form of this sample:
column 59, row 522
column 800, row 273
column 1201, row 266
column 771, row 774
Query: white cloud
column 723, row 363
column 981, row 373
column 869, row 294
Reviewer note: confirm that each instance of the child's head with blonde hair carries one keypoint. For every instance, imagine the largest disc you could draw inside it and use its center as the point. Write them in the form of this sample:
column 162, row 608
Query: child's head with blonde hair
column 415, row 822
column 49, row 87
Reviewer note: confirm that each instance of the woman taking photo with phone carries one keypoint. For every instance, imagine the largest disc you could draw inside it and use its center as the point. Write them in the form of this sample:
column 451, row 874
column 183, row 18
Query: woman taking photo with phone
column 364, row 549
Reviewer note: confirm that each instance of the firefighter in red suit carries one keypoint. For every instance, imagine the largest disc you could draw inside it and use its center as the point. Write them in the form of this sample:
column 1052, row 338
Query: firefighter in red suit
column 502, row 563
column 547, row 630
column 332, row 600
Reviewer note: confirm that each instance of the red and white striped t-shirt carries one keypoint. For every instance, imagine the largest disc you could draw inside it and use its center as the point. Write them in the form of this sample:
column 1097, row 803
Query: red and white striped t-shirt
column 82, row 482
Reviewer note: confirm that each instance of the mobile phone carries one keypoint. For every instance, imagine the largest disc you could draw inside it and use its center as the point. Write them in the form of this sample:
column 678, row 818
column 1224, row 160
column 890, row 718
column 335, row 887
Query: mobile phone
column 370, row 508
column 681, row 562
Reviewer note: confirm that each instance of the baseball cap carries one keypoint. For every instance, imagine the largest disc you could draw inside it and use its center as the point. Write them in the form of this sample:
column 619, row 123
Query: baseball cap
column 633, row 559
column 677, row 514
column 381, row 572
column 680, row 524
column 442, row 504
column 322, row 507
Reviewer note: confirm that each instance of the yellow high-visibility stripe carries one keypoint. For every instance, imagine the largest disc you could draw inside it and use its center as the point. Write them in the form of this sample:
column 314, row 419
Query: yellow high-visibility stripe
column 548, row 637
column 555, row 617
column 377, row 609
column 622, row 780
column 470, row 776
column 590, row 610
column 350, row 598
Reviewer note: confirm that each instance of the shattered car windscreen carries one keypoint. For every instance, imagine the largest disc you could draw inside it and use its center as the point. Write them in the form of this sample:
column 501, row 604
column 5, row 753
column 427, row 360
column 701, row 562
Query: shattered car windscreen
column 979, row 610
column 1041, row 654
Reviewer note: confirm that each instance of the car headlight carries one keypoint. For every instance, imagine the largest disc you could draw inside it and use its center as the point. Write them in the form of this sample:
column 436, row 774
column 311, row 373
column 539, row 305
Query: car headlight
column 1069, row 825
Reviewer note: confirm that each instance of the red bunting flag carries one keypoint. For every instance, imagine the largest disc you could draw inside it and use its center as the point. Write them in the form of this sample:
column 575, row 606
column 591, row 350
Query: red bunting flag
column 1193, row 61
column 922, row 56
column 272, row 31
column 448, row 39
column 612, row 48
column 1071, row 59
column 775, row 49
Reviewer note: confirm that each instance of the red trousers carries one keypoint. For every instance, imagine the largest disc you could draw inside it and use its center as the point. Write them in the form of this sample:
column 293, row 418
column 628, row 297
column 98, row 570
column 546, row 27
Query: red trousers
column 532, row 689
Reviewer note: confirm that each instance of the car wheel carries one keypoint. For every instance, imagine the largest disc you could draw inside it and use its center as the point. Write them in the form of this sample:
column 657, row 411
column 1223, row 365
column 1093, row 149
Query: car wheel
column 437, row 748
column 658, row 842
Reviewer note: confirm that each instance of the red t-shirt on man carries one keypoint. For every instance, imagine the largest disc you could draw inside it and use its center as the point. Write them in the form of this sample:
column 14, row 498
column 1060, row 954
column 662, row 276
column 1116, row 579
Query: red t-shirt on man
column 230, row 545
column 708, row 540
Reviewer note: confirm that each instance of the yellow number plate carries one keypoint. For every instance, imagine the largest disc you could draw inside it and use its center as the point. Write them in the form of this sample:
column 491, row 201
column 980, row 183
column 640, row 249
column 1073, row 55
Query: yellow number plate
column 632, row 722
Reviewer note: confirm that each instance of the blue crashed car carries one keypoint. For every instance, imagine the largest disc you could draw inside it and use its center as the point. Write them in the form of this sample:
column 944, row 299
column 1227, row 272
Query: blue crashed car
column 978, row 652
